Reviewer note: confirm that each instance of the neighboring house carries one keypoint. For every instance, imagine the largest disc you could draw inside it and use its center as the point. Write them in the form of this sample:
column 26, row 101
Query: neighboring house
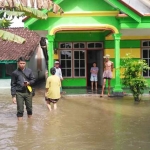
column 31, row 50
column 90, row 29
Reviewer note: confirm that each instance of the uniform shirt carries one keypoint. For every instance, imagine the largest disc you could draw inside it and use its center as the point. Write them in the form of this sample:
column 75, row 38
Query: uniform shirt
column 17, row 80
column 58, row 72
column 95, row 69
column 53, row 85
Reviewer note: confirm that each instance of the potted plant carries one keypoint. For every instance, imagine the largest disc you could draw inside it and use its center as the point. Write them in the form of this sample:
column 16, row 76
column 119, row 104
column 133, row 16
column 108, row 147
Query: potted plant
column 132, row 75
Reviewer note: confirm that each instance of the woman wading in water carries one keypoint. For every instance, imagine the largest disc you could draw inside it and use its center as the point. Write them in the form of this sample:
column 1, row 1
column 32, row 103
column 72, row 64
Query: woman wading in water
column 53, row 85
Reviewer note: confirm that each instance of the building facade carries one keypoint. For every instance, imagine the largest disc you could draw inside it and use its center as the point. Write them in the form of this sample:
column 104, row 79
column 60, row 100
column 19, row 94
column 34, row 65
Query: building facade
column 90, row 29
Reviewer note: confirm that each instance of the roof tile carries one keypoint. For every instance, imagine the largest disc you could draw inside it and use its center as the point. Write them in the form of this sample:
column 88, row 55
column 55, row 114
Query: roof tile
column 12, row 51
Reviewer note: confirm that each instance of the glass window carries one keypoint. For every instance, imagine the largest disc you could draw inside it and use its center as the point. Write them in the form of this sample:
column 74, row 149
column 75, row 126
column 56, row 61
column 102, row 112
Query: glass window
column 79, row 45
column 82, row 63
column 68, row 71
column 65, row 45
column 146, row 56
column 62, row 45
column 76, row 54
column 145, row 73
column 145, row 53
column 65, row 60
column 79, row 63
column 76, row 45
column 76, row 71
column 90, row 45
column 73, row 62
column 98, row 45
column 95, row 45
column 82, row 72
column 145, row 43
column 82, row 45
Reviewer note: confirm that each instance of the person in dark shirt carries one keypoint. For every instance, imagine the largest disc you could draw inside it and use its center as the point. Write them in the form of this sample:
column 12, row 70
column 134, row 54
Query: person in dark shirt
column 21, row 81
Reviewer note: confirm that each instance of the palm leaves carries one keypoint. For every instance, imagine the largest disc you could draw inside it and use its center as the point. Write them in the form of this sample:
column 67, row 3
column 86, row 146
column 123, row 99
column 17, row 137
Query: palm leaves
column 19, row 8
column 11, row 37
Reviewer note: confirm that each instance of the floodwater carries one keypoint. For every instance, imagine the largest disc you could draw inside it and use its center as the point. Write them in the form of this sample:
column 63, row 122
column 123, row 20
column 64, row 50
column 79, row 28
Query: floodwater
column 79, row 123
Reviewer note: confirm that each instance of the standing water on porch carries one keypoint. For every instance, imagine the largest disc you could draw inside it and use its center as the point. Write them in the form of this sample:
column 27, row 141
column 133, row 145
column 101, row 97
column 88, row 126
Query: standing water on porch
column 79, row 123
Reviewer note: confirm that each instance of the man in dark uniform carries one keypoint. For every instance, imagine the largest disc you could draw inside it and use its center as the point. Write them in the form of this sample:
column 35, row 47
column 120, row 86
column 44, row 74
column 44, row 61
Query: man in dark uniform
column 21, row 79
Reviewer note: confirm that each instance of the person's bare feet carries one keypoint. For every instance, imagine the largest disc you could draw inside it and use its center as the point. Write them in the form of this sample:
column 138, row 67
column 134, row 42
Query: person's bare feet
column 55, row 106
column 29, row 116
column 101, row 95
column 20, row 118
column 49, row 109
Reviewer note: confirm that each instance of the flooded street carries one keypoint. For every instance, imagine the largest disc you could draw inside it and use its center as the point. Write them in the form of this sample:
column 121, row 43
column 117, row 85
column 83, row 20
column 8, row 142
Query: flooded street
column 79, row 123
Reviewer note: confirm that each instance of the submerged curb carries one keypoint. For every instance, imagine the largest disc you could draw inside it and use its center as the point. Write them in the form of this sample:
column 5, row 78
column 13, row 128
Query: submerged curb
column 98, row 95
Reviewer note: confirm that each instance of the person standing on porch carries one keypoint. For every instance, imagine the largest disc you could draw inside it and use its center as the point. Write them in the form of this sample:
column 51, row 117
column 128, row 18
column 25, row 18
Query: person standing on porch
column 107, row 74
column 58, row 72
column 93, row 79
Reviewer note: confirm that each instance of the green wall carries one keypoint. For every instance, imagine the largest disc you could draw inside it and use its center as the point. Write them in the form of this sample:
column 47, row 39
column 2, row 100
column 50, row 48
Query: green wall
column 123, row 44
column 79, row 37
column 74, row 82
column 77, row 6
column 85, row 5
column 148, row 80
column 53, row 22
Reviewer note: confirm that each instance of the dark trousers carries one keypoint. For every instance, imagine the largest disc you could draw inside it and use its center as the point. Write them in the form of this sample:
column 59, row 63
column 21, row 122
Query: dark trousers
column 21, row 99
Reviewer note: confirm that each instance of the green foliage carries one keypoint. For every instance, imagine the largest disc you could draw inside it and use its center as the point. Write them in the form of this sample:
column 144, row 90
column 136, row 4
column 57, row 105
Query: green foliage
column 19, row 11
column 18, row 8
column 132, row 75
column 11, row 14
column 11, row 37
column 4, row 23
column 31, row 12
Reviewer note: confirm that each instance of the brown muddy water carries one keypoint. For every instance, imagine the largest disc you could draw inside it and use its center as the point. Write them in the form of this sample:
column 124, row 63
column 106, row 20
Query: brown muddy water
column 79, row 123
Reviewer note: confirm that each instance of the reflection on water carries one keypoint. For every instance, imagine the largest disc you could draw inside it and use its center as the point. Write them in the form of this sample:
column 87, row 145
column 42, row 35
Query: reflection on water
column 79, row 123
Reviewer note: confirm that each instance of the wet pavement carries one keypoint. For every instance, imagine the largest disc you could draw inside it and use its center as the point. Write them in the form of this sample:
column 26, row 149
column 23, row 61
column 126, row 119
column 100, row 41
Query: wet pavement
column 81, row 122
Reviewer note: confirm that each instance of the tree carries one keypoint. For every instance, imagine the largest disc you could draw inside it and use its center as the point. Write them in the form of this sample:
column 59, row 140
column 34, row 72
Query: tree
column 19, row 8
column 132, row 75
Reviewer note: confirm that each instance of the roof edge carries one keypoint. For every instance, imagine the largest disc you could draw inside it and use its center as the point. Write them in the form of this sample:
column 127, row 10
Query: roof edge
column 126, row 9
column 140, row 14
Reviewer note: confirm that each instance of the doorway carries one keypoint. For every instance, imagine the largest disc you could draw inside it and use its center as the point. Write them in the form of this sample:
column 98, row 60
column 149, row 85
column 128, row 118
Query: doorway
column 95, row 56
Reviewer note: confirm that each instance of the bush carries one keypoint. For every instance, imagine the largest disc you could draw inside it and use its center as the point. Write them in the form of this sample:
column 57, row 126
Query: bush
column 132, row 75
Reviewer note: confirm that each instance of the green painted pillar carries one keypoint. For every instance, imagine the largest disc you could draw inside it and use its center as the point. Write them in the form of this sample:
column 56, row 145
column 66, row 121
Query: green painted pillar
column 50, row 51
column 117, row 89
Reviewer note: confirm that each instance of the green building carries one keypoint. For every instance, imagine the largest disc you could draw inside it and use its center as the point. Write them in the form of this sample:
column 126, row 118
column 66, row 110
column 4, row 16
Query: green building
column 88, row 30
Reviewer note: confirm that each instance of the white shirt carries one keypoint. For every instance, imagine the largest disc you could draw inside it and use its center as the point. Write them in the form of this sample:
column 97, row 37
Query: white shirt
column 58, row 72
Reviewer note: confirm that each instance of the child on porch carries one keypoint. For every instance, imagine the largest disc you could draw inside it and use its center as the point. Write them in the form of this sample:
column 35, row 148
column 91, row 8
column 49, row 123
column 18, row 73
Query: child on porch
column 94, row 72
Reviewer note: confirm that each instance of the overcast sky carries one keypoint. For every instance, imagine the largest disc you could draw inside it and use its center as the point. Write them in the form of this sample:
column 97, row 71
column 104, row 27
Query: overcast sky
column 17, row 23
